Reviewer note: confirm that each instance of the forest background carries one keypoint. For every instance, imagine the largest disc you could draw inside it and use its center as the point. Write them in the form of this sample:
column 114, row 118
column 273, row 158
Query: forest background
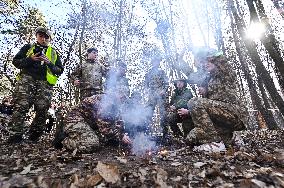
column 249, row 32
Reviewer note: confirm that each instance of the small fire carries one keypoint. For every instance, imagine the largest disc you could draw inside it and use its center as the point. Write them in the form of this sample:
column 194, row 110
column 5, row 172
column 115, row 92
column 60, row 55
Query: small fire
column 163, row 152
column 147, row 154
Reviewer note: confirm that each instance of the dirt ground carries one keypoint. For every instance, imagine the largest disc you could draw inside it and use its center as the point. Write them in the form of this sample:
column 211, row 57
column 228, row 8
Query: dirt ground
column 258, row 163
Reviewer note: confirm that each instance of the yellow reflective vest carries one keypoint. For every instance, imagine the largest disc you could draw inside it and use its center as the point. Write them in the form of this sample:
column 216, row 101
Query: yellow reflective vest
column 51, row 54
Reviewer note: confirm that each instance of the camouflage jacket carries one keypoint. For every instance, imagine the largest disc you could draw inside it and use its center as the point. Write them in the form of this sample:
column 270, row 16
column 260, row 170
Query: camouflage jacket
column 221, row 88
column 35, row 68
column 101, row 113
column 90, row 74
column 117, row 83
column 123, row 86
column 181, row 97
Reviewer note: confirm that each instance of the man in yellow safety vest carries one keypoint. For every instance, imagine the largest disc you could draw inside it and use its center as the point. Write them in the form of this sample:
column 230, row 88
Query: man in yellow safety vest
column 40, row 66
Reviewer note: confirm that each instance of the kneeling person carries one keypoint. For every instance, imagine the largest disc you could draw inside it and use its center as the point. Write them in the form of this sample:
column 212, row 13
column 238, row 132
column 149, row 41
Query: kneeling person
column 217, row 116
column 93, row 121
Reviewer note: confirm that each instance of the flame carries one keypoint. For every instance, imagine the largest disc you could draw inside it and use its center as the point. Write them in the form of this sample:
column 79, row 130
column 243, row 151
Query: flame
column 163, row 152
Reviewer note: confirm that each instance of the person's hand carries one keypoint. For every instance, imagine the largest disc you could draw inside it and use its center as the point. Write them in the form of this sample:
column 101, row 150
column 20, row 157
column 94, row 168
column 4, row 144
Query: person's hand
column 126, row 139
column 77, row 82
column 44, row 59
column 202, row 91
column 172, row 108
column 183, row 112
column 36, row 57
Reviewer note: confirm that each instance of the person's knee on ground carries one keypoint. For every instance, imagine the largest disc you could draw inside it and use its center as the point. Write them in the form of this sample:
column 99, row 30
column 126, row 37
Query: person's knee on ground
column 80, row 136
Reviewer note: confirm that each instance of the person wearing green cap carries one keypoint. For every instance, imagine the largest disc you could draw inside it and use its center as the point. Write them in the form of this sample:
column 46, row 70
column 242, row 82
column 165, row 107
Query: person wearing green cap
column 40, row 66
column 220, row 112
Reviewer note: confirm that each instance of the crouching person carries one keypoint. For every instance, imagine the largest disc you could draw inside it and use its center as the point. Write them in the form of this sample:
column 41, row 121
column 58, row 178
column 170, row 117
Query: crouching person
column 93, row 122
column 179, row 100
column 221, row 112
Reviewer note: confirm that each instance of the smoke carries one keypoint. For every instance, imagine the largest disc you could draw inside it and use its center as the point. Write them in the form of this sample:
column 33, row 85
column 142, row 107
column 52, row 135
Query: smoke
column 142, row 144
column 137, row 114
column 110, row 102
column 198, row 77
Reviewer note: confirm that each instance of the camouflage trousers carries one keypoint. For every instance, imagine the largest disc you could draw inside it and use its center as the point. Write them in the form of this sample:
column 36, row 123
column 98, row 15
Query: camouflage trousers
column 80, row 136
column 29, row 92
column 173, row 118
column 79, row 133
column 4, row 122
column 213, row 120
column 4, row 119
column 162, row 103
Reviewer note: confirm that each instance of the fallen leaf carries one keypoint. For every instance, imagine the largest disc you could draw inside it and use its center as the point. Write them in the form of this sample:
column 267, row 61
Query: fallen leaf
column 142, row 174
column 93, row 180
column 121, row 159
column 41, row 183
column 202, row 174
column 35, row 171
column 26, row 170
column 74, row 152
column 258, row 183
column 109, row 172
column 178, row 178
column 176, row 164
column 162, row 177
column 198, row 164
column 76, row 182
column 72, row 171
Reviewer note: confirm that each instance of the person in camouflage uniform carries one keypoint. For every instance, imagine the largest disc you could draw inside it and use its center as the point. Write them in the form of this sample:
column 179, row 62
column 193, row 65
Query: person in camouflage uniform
column 117, row 81
column 221, row 112
column 6, row 110
column 134, row 115
column 89, row 76
column 60, row 113
column 40, row 66
column 156, row 82
column 93, row 122
column 178, row 101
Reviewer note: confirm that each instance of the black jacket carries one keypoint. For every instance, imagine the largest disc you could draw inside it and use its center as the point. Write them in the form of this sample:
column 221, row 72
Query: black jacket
column 35, row 68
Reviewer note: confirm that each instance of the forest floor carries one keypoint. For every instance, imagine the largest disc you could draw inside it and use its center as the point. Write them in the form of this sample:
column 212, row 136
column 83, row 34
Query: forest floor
column 258, row 163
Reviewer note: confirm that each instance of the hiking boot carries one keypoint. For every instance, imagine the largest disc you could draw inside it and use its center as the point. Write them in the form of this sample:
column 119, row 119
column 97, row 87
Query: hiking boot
column 58, row 138
column 34, row 136
column 197, row 136
column 15, row 139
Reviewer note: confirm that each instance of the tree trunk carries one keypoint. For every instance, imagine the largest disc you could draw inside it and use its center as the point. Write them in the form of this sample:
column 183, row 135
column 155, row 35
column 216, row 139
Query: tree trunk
column 268, row 40
column 268, row 115
column 260, row 69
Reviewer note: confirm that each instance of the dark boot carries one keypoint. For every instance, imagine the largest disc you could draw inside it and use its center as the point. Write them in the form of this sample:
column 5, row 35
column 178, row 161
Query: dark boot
column 15, row 139
column 34, row 135
column 58, row 138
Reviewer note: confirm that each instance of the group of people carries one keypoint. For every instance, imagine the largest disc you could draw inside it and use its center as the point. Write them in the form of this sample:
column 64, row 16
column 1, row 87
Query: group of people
column 104, row 99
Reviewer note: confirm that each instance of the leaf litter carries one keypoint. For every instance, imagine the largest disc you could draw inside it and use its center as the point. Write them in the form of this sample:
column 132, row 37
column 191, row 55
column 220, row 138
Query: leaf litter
column 257, row 162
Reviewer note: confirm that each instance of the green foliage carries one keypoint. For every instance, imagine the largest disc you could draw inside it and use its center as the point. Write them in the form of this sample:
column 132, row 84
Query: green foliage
column 23, row 23
column 19, row 21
